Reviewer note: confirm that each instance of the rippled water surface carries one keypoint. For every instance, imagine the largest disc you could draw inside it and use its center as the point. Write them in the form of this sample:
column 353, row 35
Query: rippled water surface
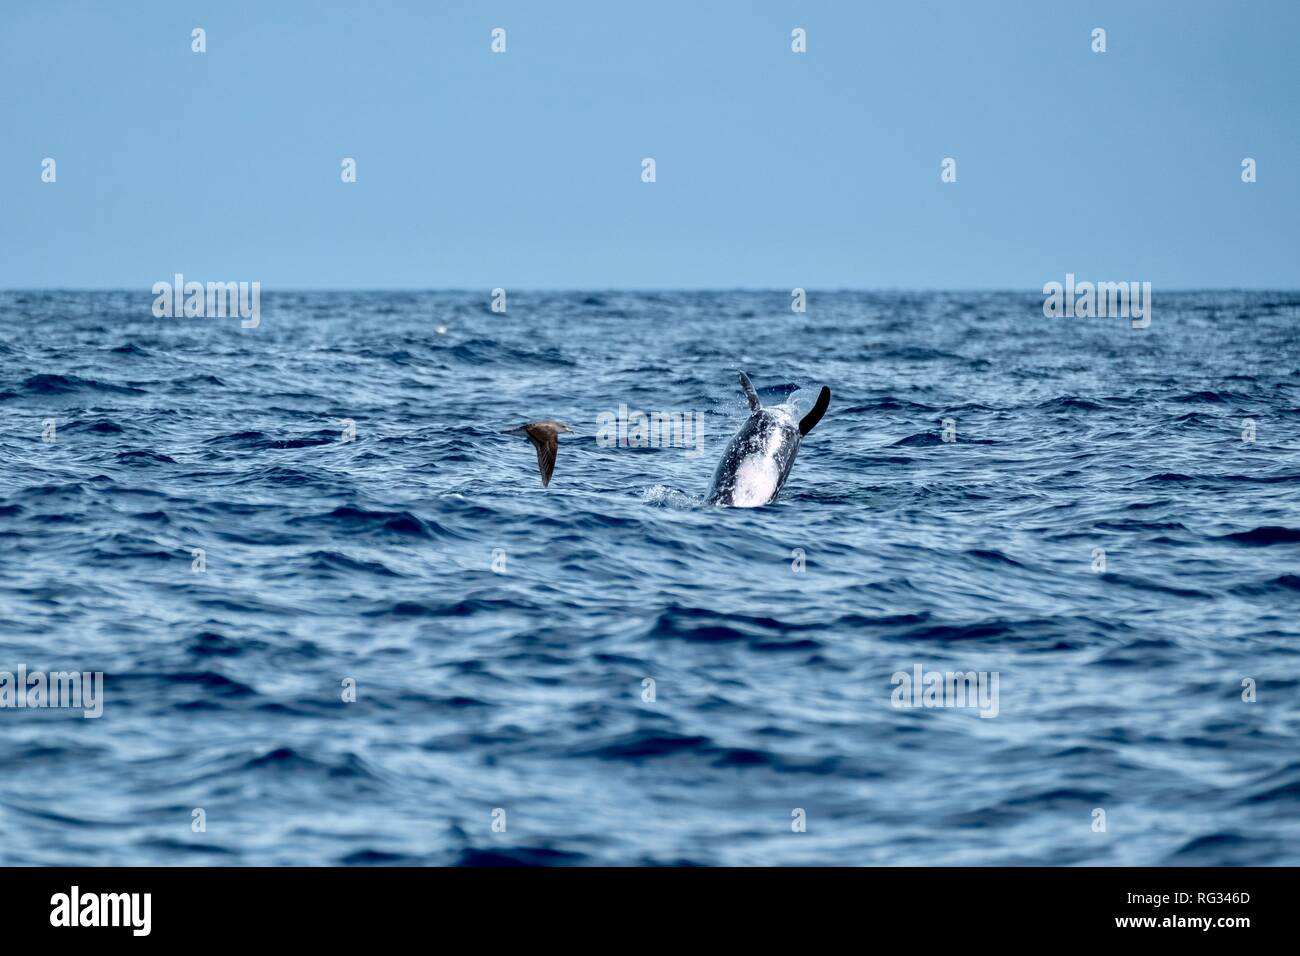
column 523, row 691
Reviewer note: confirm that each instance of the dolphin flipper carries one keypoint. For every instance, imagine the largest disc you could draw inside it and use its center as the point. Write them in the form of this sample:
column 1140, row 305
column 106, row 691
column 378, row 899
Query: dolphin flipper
column 748, row 386
column 809, row 421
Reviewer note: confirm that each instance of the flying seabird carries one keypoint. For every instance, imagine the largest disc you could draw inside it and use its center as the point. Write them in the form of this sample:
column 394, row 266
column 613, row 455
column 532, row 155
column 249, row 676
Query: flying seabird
column 545, row 436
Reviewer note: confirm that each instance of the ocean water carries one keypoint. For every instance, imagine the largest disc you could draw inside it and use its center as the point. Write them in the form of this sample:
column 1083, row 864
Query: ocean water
column 518, row 696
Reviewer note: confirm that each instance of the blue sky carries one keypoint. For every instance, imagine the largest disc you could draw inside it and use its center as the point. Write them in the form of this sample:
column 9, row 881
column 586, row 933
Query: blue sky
column 774, row 169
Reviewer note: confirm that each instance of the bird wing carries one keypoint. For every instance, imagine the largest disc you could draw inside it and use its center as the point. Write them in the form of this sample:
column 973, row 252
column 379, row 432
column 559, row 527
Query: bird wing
column 547, row 446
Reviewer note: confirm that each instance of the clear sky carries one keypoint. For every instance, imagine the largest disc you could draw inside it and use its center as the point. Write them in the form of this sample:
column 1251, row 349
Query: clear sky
column 774, row 169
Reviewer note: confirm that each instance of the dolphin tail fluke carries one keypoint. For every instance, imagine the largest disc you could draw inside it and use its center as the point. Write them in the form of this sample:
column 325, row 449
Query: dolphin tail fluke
column 809, row 421
column 748, row 386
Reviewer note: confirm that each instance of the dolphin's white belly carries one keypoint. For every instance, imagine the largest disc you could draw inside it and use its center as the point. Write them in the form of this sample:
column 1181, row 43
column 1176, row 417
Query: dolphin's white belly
column 759, row 457
column 757, row 480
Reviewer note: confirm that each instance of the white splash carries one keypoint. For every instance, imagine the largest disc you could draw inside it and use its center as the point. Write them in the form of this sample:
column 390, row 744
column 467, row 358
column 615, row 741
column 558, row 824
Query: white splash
column 672, row 498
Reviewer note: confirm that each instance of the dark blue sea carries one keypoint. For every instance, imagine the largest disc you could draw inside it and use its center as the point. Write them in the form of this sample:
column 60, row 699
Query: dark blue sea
column 504, row 715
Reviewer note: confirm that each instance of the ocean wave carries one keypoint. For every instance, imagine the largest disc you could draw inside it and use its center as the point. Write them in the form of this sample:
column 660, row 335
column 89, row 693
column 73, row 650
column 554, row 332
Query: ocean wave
column 319, row 641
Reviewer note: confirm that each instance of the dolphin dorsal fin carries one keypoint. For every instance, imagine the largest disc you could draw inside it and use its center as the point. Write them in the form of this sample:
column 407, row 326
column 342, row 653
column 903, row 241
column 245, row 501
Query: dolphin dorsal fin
column 748, row 386
column 807, row 423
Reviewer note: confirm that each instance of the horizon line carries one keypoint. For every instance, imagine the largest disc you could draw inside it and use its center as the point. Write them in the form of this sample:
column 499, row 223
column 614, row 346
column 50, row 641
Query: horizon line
column 641, row 289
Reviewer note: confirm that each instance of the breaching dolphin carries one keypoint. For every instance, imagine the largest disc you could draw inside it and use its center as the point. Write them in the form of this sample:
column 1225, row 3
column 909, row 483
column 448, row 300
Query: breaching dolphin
column 758, row 459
